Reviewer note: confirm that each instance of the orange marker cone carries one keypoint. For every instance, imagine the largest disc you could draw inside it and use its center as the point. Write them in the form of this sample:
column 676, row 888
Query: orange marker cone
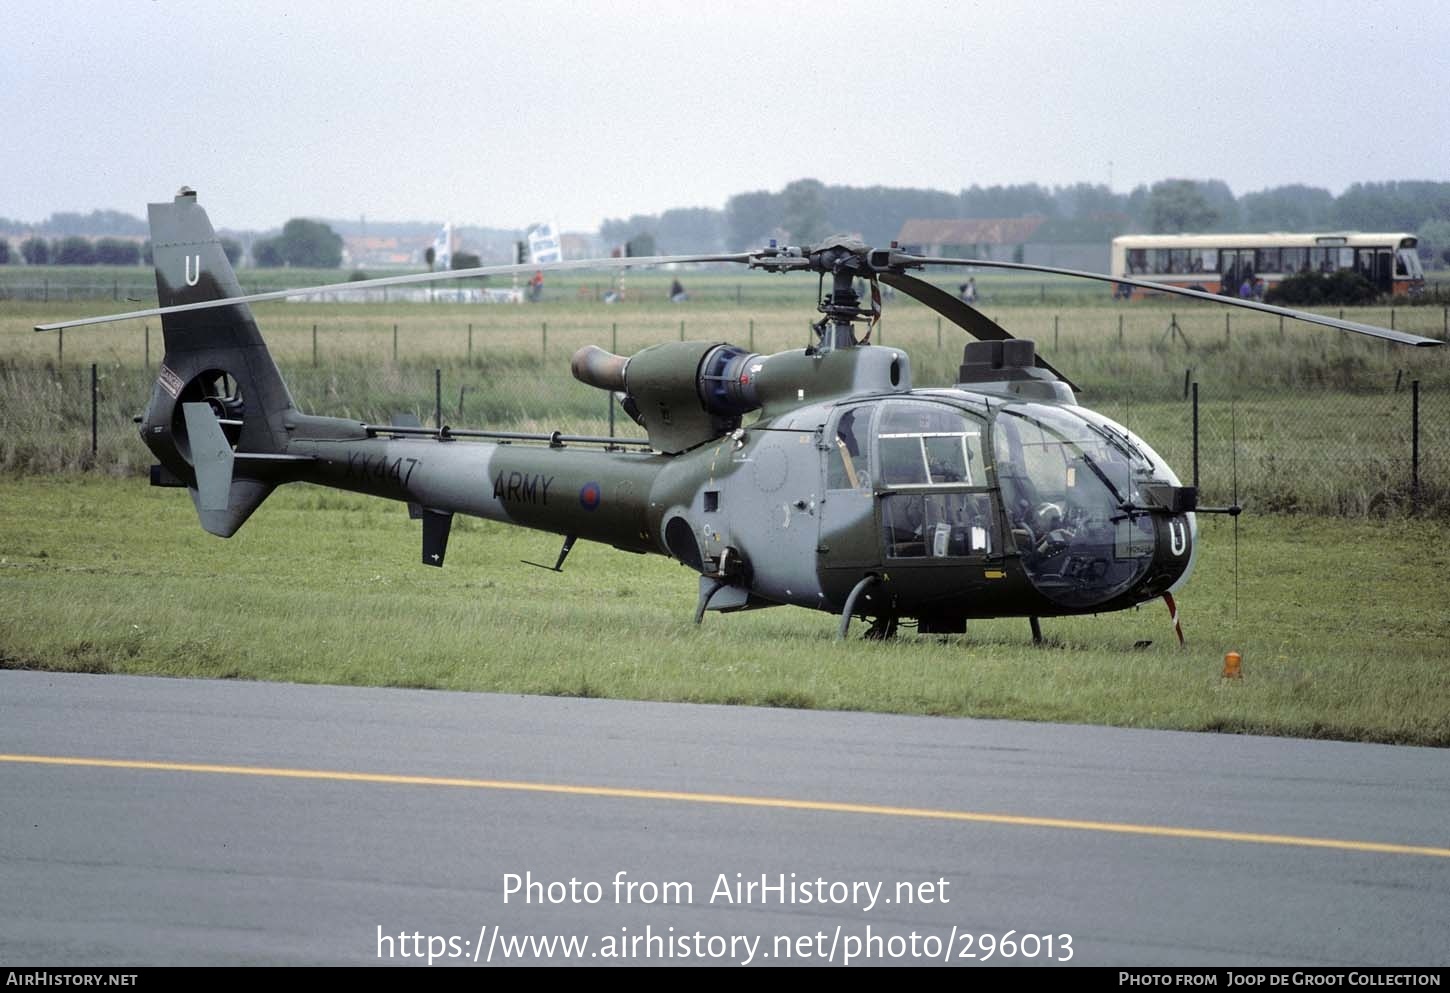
column 1231, row 666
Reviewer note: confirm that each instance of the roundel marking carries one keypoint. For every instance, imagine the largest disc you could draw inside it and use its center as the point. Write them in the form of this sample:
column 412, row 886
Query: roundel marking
column 590, row 497
column 772, row 466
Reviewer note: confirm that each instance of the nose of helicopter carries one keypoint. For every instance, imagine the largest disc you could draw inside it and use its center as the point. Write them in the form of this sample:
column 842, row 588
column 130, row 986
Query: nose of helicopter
column 1096, row 515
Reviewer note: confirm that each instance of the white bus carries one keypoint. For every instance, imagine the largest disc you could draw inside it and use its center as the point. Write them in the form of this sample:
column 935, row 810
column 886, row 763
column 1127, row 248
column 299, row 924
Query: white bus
column 1223, row 263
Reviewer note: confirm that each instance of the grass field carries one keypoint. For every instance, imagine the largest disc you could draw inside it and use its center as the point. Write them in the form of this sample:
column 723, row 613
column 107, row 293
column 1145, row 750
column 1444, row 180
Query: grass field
column 1341, row 624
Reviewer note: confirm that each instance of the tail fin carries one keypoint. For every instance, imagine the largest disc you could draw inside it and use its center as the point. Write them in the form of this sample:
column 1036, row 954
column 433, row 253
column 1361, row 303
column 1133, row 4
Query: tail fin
column 215, row 357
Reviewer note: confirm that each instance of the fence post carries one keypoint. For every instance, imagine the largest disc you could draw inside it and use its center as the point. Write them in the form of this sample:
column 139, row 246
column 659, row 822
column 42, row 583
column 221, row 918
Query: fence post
column 438, row 398
column 543, row 339
column 116, row 290
column 938, row 334
column 737, row 294
column 95, row 391
column 470, row 343
column 682, row 330
column 1392, row 318
column 47, row 290
column 609, row 400
column 395, row 344
column 314, row 346
column 1054, row 332
column 148, row 346
column 1120, row 330
column 1226, row 328
column 752, row 330
column 614, row 337
column 1414, row 446
column 60, row 348
column 1195, row 435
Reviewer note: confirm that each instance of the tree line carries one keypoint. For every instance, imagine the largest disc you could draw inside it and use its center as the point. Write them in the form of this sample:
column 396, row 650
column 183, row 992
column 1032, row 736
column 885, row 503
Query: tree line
column 808, row 209
column 302, row 243
column 76, row 250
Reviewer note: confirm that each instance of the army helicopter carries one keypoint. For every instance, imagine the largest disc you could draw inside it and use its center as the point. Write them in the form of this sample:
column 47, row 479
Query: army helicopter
column 850, row 491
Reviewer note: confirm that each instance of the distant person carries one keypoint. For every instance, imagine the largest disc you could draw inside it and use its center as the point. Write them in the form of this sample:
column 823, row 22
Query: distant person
column 1122, row 291
column 536, row 286
column 677, row 292
column 1246, row 288
column 968, row 290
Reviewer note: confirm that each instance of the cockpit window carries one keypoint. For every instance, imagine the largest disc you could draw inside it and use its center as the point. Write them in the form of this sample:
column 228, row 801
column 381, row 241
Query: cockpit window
column 849, row 465
column 933, row 466
column 930, row 446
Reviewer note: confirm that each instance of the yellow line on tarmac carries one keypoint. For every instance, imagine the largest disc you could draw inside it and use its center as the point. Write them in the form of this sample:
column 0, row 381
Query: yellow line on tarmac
column 778, row 803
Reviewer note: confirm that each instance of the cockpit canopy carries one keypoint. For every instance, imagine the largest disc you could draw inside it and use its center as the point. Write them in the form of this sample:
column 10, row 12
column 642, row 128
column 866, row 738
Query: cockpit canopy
column 1059, row 487
column 1068, row 487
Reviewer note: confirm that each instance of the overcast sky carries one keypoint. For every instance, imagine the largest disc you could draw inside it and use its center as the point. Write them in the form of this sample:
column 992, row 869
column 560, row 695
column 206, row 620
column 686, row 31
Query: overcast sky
column 506, row 114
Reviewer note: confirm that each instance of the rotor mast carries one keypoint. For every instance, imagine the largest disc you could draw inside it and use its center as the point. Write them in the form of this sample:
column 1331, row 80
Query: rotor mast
column 842, row 306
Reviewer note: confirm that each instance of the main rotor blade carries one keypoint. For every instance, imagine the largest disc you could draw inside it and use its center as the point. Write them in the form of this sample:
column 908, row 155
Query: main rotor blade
column 417, row 277
column 1183, row 291
column 964, row 316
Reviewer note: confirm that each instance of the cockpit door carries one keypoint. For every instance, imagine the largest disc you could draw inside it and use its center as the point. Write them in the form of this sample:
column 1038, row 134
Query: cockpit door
column 936, row 502
column 848, row 522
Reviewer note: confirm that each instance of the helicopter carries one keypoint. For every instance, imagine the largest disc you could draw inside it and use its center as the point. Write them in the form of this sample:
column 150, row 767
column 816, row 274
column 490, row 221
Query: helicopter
column 850, row 491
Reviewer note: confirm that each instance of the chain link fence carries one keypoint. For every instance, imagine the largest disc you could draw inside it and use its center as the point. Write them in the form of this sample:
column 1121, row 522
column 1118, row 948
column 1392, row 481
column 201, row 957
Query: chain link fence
column 1321, row 450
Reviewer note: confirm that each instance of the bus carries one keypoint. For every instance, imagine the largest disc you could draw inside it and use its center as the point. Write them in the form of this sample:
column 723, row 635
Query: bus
column 1223, row 263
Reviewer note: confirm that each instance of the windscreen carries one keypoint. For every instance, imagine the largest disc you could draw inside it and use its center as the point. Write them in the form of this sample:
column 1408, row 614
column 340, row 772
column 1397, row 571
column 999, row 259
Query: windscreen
column 1065, row 482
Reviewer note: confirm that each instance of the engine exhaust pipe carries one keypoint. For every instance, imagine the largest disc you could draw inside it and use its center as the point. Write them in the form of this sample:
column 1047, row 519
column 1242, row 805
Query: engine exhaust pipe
column 594, row 366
